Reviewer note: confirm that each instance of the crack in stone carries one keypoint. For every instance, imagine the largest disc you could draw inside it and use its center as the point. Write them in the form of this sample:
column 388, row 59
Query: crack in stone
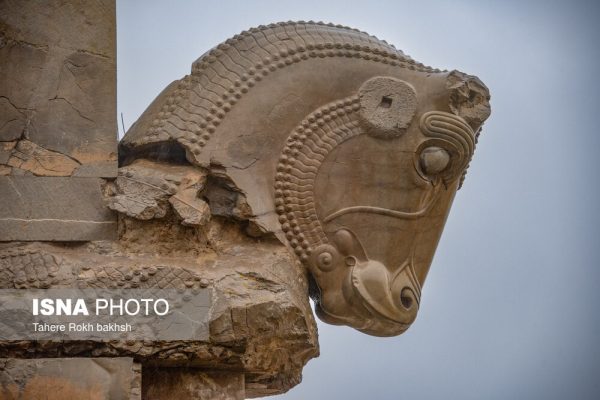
column 73, row 107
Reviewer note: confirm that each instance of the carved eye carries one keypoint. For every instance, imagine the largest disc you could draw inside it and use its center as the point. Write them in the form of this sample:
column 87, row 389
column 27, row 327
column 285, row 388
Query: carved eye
column 434, row 160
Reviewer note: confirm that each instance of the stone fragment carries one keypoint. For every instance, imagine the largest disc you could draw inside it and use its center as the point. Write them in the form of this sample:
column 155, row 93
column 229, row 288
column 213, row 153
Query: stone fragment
column 138, row 198
column 192, row 210
column 30, row 157
column 143, row 189
column 388, row 106
column 469, row 98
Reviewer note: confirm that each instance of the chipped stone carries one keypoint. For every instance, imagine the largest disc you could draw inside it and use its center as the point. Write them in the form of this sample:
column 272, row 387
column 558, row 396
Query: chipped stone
column 30, row 157
column 192, row 210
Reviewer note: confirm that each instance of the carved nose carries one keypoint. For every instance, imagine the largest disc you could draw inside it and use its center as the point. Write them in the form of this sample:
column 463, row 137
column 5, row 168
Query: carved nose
column 396, row 300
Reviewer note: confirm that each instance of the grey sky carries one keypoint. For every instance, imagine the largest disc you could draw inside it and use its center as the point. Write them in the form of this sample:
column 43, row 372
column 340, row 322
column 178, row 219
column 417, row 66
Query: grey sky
column 510, row 307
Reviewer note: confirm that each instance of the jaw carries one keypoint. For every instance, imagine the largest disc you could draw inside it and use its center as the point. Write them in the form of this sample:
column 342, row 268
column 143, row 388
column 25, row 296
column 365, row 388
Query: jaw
column 369, row 323
column 361, row 292
column 372, row 301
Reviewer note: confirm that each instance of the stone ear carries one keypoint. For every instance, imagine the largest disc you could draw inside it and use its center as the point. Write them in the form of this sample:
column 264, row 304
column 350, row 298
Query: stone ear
column 348, row 245
column 469, row 98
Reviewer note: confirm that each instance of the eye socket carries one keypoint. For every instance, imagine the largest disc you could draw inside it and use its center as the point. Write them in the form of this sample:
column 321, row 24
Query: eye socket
column 434, row 160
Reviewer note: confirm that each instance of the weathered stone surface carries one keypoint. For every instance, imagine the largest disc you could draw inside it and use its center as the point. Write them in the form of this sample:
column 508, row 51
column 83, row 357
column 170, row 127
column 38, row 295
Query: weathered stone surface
column 344, row 148
column 192, row 210
column 143, row 190
column 63, row 209
column 175, row 383
column 323, row 158
column 30, row 157
column 260, row 323
column 70, row 378
column 104, row 169
column 468, row 98
column 58, row 82
column 57, row 118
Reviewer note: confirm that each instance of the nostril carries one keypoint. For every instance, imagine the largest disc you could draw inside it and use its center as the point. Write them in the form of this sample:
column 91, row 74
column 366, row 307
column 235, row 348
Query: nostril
column 406, row 298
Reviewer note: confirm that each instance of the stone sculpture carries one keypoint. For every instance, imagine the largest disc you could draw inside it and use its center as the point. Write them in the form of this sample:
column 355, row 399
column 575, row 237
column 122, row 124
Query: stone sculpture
column 344, row 148
column 296, row 158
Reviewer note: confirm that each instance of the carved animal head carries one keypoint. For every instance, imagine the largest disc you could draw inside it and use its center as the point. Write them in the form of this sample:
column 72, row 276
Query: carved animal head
column 346, row 149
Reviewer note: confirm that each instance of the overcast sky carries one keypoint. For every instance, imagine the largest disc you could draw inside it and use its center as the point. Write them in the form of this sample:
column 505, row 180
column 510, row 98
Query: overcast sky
column 510, row 309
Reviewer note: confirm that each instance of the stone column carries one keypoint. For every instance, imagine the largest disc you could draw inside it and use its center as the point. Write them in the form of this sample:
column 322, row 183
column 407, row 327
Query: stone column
column 58, row 128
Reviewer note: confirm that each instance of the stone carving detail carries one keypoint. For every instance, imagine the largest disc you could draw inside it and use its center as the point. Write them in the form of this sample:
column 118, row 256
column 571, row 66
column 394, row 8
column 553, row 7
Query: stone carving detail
column 450, row 149
column 345, row 149
column 298, row 166
column 384, row 109
column 296, row 158
column 58, row 125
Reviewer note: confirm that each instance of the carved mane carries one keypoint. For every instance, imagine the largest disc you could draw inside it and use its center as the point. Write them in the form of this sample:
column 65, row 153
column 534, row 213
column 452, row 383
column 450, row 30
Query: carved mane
column 190, row 110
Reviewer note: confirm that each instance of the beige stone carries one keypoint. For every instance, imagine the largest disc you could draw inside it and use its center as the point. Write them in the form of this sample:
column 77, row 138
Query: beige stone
column 260, row 320
column 58, row 78
column 70, row 378
column 54, row 208
column 174, row 383
column 57, row 118
column 345, row 149
column 295, row 159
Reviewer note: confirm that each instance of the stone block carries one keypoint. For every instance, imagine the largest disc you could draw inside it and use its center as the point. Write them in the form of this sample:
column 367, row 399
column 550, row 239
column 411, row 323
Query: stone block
column 178, row 383
column 61, row 209
column 70, row 378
